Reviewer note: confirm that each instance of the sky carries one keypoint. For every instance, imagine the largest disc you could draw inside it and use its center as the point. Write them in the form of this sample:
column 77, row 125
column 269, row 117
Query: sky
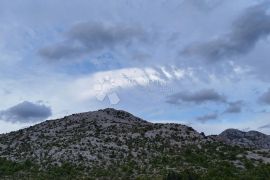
column 202, row 63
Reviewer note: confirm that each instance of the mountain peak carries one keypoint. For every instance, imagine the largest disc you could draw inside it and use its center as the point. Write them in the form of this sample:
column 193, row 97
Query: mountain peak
column 231, row 132
column 87, row 134
column 252, row 139
column 112, row 111
column 112, row 139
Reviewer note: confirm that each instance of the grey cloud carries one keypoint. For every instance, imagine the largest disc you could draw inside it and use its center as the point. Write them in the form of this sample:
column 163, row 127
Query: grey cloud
column 61, row 50
column 199, row 97
column 267, row 126
column 265, row 97
column 234, row 107
column 207, row 117
column 26, row 112
column 92, row 37
column 204, row 5
column 247, row 30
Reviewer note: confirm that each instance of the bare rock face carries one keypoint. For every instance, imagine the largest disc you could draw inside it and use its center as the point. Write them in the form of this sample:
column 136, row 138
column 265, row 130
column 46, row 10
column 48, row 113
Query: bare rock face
column 96, row 138
column 250, row 139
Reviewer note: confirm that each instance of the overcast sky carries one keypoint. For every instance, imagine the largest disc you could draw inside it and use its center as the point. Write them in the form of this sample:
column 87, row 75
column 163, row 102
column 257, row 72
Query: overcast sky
column 203, row 63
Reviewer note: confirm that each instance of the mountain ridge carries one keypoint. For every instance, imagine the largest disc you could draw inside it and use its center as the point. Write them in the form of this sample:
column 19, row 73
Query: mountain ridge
column 91, row 125
column 109, row 143
column 254, row 139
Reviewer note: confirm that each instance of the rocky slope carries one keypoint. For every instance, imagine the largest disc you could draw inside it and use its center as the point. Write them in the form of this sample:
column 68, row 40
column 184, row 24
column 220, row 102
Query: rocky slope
column 251, row 139
column 114, row 144
column 93, row 138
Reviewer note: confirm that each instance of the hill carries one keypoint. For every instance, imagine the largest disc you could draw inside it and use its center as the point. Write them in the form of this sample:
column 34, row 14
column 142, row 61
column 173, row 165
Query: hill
column 113, row 144
column 253, row 139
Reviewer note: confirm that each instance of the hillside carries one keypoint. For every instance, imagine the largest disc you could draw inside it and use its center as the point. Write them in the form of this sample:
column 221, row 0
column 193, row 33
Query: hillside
column 115, row 144
column 253, row 139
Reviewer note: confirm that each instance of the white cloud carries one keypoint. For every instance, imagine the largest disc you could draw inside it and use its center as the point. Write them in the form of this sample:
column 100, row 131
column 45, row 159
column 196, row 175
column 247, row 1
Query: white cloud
column 106, row 81
column 148, row 72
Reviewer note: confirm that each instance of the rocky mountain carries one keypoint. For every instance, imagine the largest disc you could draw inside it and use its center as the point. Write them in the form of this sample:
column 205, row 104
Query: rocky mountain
column 93, row 136
column 114, row 144
column 251, row 139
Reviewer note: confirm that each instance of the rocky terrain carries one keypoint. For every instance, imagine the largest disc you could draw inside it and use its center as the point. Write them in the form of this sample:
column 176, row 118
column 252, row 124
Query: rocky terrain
column 253, row 139
column 112, row 144
column 95, row 136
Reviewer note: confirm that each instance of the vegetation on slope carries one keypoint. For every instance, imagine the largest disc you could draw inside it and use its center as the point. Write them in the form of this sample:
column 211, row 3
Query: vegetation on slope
column 209, row 161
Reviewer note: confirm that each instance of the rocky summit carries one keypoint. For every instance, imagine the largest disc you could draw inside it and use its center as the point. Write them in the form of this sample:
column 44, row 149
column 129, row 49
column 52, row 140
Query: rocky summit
column 114, row 144
column 94, row 138
column 253, row 139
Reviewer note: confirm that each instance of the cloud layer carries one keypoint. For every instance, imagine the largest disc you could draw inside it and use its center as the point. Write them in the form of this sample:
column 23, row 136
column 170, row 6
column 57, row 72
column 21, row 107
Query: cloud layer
column 93, row 37
column 198, row 97
column 132, row 48
column 207, row 117
column 26, row 112
column 234, row 107
column 247, row 30
column 267, row 126
column 265, row 97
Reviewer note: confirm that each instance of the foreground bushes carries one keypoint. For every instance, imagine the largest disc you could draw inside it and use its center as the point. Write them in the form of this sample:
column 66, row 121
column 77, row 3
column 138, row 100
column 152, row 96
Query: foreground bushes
column 211, row 161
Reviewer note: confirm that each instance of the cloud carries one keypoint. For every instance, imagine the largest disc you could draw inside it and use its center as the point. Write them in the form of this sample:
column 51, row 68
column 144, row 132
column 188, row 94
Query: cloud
column 267, row 126
column 265, row 97
column 207, row 117
column 92, row 37
column 234, row 107
column 247, row 30
column 199, row 97
column 148, row 79
column 204, row 5
column 61, row 50
column 26, row 112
